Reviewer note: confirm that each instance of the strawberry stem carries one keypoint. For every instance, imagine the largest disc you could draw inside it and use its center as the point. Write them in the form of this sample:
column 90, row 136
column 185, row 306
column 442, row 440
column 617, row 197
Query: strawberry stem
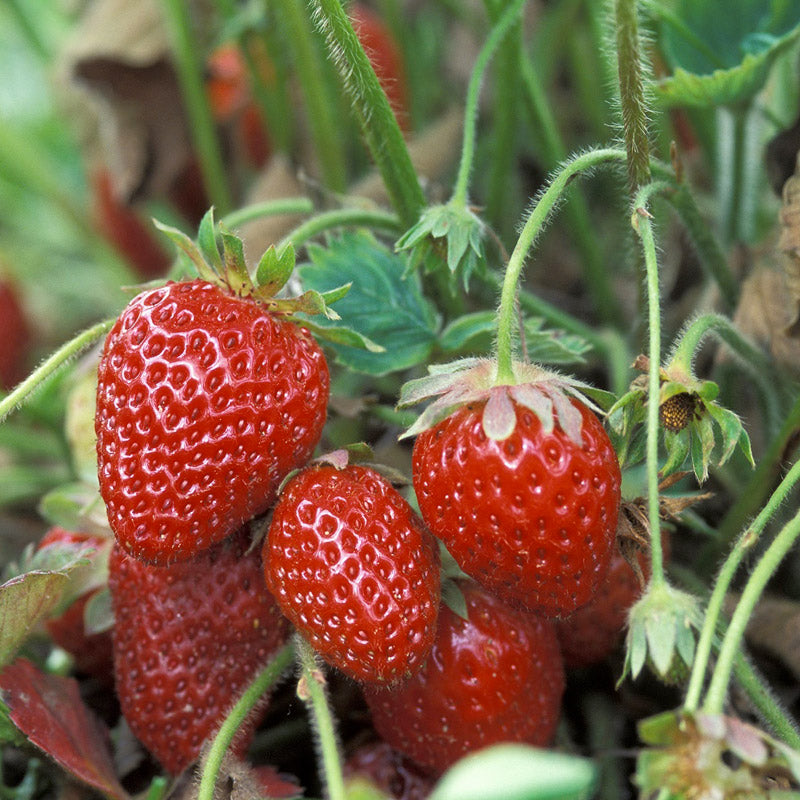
column 244, row 705
column 540, row 214
column 340, row 218
column 189, row 67
column 641, row 224
column 17, row 396
column 753, row 589
column 269, row 208
column 376, row 119
column 743, row 547
column 313, row 693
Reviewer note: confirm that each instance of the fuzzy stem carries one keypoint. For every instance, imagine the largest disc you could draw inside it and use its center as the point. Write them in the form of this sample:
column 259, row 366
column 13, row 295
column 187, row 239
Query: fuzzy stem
column 759, row 577
column 508, row 18
column 244, row 705
column 189, row 67
column 269, row 208
column 311, row 690
column 19, row 394
column 715, row 604
column 157, row 789
column 536, row 220
column 642, row 225
column 376, row 119
column 339, row 218
column 632, row 93
column 321, row 108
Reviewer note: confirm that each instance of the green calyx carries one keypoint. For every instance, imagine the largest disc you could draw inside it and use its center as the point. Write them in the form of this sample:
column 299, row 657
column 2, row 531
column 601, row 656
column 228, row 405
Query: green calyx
column 218, row 256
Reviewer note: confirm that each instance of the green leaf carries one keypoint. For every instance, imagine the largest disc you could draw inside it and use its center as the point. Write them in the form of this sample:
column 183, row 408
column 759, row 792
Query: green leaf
column 383, row 305
column 721, row 58
column 517, row 772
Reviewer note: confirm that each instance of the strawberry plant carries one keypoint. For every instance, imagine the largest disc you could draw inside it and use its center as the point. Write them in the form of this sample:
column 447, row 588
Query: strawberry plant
column 450, row 449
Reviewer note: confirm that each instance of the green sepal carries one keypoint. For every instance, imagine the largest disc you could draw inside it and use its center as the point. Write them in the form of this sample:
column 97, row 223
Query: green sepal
column 207, row 242
column 708, row 391
column 235, row 270
column 98, row 614
column 733, row 433
column 76, row 507
column 454, row 599
column 189, row 249
column 274, row 269
column 626, row 411
column 670, row 389
column 661, row 635
column 339, row 334
column 702, row 446
column 678, row 446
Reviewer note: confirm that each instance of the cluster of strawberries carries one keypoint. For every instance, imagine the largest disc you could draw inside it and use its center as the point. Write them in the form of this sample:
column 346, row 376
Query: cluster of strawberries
column 210, row 405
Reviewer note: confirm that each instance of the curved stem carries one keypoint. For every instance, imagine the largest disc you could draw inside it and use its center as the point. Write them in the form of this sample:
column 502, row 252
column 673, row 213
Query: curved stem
column 311, row 690
column 269, row 208
column 244, row 705
column 642, row 225
column 190, row 74
column 533, row 227
column 764, row 570
column 495, row 37
column 715, row 604
column 62, row 356
column 375, row 116
column 338, row 218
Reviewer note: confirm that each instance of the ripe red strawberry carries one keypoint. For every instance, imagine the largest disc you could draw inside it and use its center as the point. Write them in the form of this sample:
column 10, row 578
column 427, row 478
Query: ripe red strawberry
column 188, row 638
column 496, row 676
column 354, row 569
column 389, row 771
column 593, row 632
column 92, row 652
column 205, row 402
column 14, row 336
column 531, row 510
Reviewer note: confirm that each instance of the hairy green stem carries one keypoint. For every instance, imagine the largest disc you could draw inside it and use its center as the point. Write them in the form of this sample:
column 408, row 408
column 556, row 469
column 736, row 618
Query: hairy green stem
column 643, row 226
column 20, row 393
column 322, row 114
column 460, row 194
column 311, row 690
column 269, row 208
column 731, row 643
column 189, row 66
column 632, row 83
column 376, row 119
column 746, row 542
column 340, row 218
column 244, row 705
column 536, row 220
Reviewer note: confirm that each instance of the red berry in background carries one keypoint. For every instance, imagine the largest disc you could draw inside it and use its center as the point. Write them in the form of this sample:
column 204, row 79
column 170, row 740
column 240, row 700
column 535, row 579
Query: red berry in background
column 389, row 771
column 123, row 227
column 14, row 336
column 92, row 652
column 496, row 676
column 188, row 639
column 355, row 571
column 205, row 402
column 532, row 516
column 385, row 57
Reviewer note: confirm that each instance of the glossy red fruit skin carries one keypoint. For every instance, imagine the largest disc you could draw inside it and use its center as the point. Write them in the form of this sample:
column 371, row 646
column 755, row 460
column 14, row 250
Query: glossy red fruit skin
column 594, row 631
column 532, row 517
column 494, row 677
column 14, row 336
column 205, row 402
column 391, row 772
column 188, row 639
column 354, row 569
column 92, row 652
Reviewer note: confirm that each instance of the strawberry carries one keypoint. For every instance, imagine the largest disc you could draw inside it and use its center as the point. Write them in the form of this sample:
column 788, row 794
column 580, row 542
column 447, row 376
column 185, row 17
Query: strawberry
column 354, row 569
column 522, row 485
column 494, row 676
column 206, row 400
column 392, row 773
column 188, row 638
column 14, row 336
column 92, row 652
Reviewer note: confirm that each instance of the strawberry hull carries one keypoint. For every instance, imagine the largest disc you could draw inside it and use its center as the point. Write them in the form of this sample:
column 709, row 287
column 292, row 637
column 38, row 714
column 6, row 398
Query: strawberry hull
column 205, row 402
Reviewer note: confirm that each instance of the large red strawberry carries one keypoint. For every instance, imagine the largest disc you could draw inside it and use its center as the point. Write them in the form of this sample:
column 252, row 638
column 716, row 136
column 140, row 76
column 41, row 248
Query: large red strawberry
column 495, row 676
column 354, row 569
column 92, row 652
column 206, row 400
column 14, row 336
column 522, row 485
column 188, row 638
